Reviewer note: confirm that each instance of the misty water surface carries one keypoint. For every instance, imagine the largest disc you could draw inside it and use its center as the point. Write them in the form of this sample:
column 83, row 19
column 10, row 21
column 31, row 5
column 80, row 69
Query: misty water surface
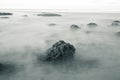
column 24, row 38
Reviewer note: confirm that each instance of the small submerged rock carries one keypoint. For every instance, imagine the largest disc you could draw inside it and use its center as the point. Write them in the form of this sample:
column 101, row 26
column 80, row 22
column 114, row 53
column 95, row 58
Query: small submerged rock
column 92, row 24
column 115, row 23
column 48, row 14
column 59, row 51
column 75, row 27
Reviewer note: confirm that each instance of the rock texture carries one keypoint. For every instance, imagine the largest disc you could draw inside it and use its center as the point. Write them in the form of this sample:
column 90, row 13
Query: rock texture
column 115, row 23
column 60, row 50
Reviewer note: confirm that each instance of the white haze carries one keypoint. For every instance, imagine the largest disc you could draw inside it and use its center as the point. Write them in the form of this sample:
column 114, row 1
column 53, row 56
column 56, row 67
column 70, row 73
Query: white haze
column 73, row 5
column 23, row 39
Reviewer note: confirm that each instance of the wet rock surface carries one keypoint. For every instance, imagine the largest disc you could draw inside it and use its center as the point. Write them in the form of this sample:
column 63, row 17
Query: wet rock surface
column 115, row 23
column 48, row 14
column 59, row 51
column 75, row 27
column 92, row 24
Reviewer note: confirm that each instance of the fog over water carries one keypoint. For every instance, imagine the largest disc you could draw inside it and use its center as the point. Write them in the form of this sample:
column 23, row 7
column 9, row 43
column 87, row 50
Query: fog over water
column 24, row 38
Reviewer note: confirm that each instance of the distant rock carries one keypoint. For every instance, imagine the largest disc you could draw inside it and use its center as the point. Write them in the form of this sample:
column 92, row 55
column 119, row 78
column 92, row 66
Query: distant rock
column 25, row 15
column 59, row 51
column 74, row 26
column 92, row 24
column 48, row 14
column 52, row 24
column 3, row 13
column 115, row 23
column 5, row 17
column 88, row 32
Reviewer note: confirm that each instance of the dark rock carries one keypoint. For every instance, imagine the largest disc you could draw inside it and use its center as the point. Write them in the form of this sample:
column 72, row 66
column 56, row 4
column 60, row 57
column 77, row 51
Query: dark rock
column 115, row 23
column 59, row 51
column 3, row 13
column 74, row 27
column 92, row 25
column 48, row 14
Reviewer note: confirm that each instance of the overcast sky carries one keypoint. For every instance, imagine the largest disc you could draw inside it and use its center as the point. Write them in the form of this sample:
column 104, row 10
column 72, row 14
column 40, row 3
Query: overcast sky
column 97, row 5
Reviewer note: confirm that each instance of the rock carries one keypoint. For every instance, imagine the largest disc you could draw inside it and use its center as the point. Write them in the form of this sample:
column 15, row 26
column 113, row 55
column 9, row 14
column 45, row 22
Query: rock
column 92, row 25
column 59, row 51
column 88, row 32
column 52, row 24
column 3, row 13
column 115, row 23
column 74, row 27
column 49, row 14
column 4, row 17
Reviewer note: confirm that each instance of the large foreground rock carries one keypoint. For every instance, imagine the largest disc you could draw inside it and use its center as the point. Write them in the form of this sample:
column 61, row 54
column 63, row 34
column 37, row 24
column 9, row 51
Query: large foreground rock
column 59, row 51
